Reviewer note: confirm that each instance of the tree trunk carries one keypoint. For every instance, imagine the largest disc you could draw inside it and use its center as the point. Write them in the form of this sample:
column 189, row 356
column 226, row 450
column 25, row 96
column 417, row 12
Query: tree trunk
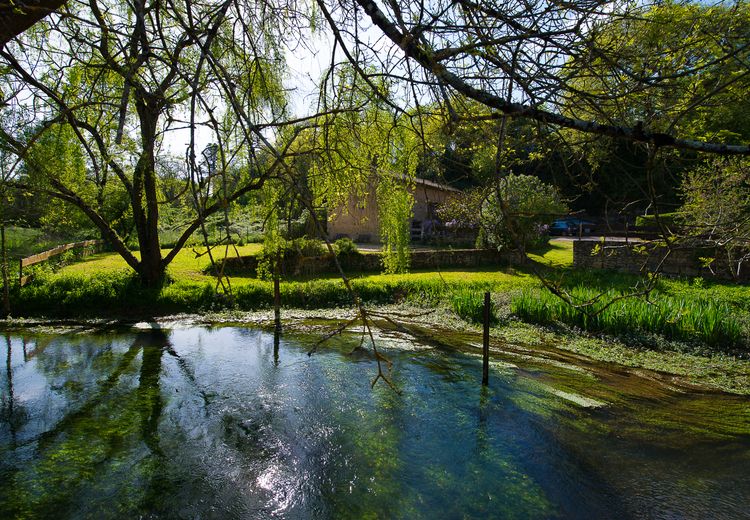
column 6, row 288
column 151, row 267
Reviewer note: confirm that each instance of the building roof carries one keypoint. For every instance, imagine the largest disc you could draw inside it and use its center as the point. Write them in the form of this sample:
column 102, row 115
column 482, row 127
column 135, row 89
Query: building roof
column 425, row 182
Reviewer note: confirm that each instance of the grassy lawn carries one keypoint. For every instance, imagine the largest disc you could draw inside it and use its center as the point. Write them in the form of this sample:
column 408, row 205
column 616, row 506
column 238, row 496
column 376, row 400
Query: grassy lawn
column 187, row 265
column 557, row 253
column 103, row 285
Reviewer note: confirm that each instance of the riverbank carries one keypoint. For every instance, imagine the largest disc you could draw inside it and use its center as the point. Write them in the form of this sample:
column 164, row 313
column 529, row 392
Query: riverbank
column 671, row 366
column 100, row 291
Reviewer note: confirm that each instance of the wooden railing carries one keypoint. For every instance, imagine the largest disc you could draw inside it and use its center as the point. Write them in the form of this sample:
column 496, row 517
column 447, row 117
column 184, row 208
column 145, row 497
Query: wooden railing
column 46, row 255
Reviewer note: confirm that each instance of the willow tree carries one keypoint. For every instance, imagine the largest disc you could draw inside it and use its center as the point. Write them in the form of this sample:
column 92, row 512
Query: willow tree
column 366, row 151
column 123, row 76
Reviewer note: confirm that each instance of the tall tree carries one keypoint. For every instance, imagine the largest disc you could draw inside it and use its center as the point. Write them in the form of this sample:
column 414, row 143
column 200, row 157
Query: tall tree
column 122, row 76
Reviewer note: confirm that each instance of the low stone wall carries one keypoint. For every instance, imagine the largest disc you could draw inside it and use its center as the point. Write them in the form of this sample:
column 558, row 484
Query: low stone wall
column 437, row 259
column 635, row 257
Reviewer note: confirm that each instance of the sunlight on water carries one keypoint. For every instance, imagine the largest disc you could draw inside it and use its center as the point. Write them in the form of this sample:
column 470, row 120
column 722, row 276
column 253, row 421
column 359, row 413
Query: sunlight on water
column 215, row 422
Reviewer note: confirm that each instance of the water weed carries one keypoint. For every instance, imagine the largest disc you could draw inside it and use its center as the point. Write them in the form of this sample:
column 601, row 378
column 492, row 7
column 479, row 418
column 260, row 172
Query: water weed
column 677, row 318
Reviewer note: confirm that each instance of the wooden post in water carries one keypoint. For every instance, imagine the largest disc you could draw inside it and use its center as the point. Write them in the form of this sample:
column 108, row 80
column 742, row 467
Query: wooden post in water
column 276, row 294
column 486, row 342
column 276, row 308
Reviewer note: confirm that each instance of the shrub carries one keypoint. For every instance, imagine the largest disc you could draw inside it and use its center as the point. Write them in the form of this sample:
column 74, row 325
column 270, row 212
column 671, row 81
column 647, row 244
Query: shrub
column 649, row 221
column 288, row 252
column 528, row 204
column 345, row 246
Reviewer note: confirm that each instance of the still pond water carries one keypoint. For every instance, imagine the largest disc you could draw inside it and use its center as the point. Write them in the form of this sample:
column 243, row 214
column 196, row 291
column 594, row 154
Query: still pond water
column 213, row 422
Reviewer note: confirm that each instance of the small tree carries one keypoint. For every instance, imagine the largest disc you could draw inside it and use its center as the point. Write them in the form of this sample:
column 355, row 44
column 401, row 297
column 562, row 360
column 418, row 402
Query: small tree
column 509, row 215
column 716, row 212
column 515, row 212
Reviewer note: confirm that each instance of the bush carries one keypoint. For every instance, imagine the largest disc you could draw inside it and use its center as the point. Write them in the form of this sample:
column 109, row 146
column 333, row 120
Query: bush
column 649, row 221
column 345, row 246
column 527, row 204
column 289, row 252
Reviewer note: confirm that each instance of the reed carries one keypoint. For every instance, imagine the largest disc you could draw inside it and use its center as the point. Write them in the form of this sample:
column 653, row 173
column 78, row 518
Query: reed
column 678, row 318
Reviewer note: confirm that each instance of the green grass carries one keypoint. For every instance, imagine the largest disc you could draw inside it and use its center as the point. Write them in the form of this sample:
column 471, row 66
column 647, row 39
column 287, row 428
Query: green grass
column 469, row 306
column 556, row 253
column 678, row 318
column 685, row 310
column 185, row 266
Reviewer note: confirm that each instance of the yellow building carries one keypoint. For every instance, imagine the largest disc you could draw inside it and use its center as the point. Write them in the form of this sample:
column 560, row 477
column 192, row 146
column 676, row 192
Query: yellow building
column 359, row 219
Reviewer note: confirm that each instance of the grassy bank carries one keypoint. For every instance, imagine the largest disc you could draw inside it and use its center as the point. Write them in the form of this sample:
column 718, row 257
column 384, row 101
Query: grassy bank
column 678, row 318
column 119, row 293
column 713, row 317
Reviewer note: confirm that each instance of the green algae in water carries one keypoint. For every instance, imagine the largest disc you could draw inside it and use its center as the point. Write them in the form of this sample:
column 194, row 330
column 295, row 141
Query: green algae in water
column 212, row 422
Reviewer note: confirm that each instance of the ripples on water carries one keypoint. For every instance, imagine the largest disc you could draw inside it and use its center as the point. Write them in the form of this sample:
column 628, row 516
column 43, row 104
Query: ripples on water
column 214, row 422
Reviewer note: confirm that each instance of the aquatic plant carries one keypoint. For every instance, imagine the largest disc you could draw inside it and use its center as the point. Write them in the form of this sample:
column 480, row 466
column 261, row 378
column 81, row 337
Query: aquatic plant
column 679, row 318
column 468, row 304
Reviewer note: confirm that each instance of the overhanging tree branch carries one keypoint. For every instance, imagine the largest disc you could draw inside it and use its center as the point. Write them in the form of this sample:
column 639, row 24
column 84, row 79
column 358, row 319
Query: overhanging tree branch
column 417, row 51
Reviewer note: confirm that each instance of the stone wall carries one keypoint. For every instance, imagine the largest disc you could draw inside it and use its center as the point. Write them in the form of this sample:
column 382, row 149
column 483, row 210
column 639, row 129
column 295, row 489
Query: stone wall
column 437, row 259
column 635, row 257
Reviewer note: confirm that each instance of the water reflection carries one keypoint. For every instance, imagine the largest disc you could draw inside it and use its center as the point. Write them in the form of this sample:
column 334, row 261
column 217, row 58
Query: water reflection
column 9, row 399
column 208, row 422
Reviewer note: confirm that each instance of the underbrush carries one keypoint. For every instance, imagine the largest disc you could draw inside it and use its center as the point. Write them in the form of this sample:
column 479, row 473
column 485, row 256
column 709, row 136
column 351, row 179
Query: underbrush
column 120, row 293
column 676, row 318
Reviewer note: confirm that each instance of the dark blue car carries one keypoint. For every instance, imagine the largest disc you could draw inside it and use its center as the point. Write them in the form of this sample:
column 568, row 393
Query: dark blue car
column 571, row 226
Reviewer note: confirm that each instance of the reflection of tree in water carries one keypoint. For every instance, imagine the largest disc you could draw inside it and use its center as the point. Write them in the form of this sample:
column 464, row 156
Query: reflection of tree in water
column 149, row 393
column 8, row 407
column 87, row 446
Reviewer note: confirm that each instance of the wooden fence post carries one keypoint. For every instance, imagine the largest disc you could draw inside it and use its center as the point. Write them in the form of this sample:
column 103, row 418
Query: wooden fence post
column 486, row 342
column 277, row 293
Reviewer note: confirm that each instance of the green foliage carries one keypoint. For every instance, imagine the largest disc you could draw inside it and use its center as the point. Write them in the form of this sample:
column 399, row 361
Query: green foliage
column 663, row 71
column 716, row 209
column 717, row 199
column 668, row 219
column 675, row 44
column 678, row 318
column 395, row 205
column 469, row 305
column 286, row 252
column 463, row 150
column 369, row 151
column 345, row 246
column 62, row 156
column 512, row 213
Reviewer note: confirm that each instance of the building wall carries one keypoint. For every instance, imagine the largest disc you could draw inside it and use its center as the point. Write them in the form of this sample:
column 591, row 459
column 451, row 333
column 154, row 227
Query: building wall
column 426, row 198
column 642, row 258
column 359, row 219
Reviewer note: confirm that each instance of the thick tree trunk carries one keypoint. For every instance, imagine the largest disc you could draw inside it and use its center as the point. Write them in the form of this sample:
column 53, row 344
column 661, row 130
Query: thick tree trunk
column 151, row 268
column 16, row 17
column 6, row 281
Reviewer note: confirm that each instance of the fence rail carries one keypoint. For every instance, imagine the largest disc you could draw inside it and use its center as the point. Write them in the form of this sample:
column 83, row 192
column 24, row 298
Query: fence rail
column 46, row 255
